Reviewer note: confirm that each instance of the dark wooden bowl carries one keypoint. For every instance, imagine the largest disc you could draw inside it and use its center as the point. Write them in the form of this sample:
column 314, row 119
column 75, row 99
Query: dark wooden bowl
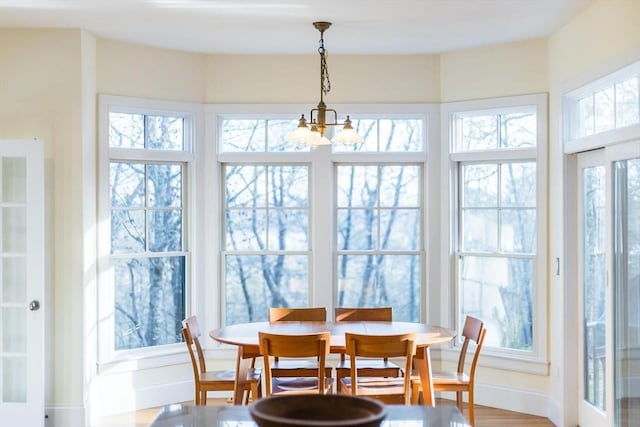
column 318, row 410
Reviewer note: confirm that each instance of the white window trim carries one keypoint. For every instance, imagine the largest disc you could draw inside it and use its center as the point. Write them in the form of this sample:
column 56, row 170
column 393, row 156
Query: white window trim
column 534, row 362
column 110, row 360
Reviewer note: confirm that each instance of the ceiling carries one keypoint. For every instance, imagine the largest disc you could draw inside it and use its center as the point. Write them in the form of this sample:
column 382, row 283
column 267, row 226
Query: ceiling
column 284, row 26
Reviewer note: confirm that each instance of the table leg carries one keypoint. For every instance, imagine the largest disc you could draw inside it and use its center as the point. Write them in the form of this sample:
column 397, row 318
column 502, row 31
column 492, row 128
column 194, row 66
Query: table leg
column 242, row 367
column 422, row 361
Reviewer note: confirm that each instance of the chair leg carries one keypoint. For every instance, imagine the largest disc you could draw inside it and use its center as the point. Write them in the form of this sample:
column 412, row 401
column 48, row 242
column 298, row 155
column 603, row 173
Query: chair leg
column 196, row 399
column 472, row 419
column 459, row 401
column 415, row 393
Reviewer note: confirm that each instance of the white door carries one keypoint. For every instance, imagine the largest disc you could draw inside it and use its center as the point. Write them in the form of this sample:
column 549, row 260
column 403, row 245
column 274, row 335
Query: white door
column 609, row 286
column 21, row 283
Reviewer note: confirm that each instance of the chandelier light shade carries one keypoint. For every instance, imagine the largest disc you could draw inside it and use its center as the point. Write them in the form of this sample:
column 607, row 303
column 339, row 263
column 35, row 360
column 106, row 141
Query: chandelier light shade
column 313, row 133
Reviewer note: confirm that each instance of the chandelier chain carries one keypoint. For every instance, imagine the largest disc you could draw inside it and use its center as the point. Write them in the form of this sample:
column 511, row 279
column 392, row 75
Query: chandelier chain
column 325, row 82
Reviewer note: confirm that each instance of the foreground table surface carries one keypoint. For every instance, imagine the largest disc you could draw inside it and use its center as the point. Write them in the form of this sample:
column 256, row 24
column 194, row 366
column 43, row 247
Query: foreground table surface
column 180, row 415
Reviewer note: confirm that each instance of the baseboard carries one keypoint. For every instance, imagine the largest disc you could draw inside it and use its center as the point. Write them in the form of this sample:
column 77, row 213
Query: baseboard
column 130, row 400
column 64, row 416
column 509, row 399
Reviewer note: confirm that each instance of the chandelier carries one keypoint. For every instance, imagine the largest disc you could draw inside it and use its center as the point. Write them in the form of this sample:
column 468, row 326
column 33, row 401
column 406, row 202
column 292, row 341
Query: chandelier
column 322, row 117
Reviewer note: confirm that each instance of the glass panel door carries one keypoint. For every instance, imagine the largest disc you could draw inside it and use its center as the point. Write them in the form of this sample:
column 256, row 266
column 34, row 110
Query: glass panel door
column 592, row 288
column 626, row 284
column 21, row 284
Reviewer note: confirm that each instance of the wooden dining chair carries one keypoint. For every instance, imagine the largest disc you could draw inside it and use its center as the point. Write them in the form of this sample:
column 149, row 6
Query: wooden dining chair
column 220, row 380
column 458, row 381
column 366, row 367
column 388, row 390
column 300, row 367
column 316, row 345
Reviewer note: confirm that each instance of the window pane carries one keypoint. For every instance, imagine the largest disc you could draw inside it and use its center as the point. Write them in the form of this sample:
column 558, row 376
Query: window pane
column 518, row 130
column 594, row 284
column 400, row 135
column 128, row 231
column 518, row 230
column 288, row 186
column 357, row 229
column 277, row 131
column 14, row 179
column 368, row 129
column 400, row 186
column 381, row 280
column 165, row 185
column 585, row 120
column 288, row 230
column 165, row 133
column 627, row 102
column 243, row 136
column 518, row 184
column 479, row 133
column 149, row 301
column 480, row 185
column 498, row 290
column 246, row 230
column 400, row 229
column 126, row 130
column 127, row 184
column 165, row 230
column 480, row 230
column 357, row 186
column 245, row 186
column 255, row 283
column 604, row 110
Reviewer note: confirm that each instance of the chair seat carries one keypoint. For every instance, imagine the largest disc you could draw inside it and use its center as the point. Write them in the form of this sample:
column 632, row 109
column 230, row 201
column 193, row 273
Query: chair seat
column 299, row 385
column 297, row 368
column 445, row 378
column 386, row 389
column 228, row 376
column 370, row 367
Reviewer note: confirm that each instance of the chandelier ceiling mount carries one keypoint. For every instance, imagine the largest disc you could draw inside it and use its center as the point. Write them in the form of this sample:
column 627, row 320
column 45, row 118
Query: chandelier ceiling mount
column 321, row 117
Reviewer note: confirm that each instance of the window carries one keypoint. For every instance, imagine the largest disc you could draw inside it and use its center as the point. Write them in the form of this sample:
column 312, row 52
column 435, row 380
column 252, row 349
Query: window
column 276, row 211
column 607, row 104
column 498, row 220
column 144, row 196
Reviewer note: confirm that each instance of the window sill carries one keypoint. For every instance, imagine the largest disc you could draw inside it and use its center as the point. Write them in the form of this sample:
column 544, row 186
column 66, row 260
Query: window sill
column 496, row 361
column 176, row 354
column 136, row 360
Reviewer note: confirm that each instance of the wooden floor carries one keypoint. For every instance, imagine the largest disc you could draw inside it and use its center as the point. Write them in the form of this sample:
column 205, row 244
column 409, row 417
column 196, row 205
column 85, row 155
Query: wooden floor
column 485, row 417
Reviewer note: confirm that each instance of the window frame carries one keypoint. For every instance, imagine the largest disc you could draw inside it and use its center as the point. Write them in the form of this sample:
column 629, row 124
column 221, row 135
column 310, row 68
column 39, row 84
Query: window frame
column 534, row 361
column 110, row 359
column 572, row 142
column 322, row 164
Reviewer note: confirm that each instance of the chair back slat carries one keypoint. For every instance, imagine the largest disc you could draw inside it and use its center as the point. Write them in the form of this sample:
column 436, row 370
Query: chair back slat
column 192, row 338
column 359, row 314
column 302, row 314
column 472, row 331
column 381, row 346
column 295, row 346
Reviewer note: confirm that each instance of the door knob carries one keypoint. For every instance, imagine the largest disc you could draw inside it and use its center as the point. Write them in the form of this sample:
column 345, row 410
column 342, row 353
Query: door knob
column 34, row 305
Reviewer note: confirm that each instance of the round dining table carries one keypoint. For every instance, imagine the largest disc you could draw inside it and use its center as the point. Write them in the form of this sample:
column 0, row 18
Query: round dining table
column 245, row 336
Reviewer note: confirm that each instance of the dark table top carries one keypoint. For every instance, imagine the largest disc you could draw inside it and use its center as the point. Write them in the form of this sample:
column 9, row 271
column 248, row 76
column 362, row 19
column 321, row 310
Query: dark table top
column 180, row 415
